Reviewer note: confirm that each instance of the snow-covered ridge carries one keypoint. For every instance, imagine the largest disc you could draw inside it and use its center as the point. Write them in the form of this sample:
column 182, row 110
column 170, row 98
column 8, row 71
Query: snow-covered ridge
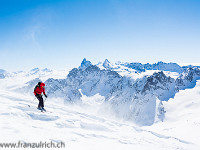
column 138, row 70
column 43, row 74
column 134, row 70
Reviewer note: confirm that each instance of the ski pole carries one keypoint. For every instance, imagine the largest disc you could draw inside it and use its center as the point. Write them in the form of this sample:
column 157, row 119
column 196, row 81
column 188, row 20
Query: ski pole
column 33, row 100
column 45, row 99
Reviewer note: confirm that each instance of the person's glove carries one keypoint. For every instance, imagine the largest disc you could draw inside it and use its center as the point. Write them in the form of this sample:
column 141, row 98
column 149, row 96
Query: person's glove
column 45, row 95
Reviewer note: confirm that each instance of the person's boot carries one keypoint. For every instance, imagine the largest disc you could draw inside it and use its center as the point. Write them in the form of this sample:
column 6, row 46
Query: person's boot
column 43, row 109
column 39, row 108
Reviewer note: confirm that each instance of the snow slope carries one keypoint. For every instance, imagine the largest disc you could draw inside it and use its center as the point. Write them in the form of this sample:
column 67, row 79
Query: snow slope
column 182, row 116
column 81, row 128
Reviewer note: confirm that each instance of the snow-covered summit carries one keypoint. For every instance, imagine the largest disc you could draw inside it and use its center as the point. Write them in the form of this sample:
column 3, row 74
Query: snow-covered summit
column 36, row 71
column 2, row 73
column 107, row 64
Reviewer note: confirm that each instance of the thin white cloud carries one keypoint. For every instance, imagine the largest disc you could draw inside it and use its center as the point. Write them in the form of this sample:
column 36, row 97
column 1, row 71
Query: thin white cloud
column 33, row 33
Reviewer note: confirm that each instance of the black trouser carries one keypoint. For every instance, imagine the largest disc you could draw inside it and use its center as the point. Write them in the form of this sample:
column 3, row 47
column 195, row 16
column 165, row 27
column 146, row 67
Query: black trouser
column 41, row 102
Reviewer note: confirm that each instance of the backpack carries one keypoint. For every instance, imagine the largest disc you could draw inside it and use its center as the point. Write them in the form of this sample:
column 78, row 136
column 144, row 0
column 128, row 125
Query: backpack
column 38, row 85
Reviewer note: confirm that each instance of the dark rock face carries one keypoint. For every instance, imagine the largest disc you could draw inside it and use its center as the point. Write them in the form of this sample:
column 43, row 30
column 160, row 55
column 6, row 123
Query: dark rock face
column 156, row 81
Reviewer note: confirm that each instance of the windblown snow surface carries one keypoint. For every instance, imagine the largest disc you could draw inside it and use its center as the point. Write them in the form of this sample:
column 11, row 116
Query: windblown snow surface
column 89, row 127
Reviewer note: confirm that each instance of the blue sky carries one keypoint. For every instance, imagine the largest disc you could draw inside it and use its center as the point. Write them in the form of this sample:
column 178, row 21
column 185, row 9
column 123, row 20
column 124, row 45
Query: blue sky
column 58, row 34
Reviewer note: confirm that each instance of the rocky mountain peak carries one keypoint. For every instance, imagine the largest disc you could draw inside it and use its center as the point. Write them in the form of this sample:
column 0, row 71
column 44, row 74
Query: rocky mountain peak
column 84, row 64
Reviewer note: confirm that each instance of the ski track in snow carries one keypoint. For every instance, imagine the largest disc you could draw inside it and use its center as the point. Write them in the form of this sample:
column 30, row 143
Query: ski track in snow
column 20, row 120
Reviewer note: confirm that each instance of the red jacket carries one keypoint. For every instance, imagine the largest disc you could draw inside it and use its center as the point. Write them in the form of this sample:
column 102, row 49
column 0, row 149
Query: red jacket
column 39, row 90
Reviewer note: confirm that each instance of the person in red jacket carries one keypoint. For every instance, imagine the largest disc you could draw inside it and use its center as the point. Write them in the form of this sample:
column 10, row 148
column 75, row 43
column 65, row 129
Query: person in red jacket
column 39, row 89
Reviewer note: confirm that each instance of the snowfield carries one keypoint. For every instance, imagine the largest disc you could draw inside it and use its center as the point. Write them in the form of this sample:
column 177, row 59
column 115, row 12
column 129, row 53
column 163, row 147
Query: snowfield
column 79, row 129
column 92, row 125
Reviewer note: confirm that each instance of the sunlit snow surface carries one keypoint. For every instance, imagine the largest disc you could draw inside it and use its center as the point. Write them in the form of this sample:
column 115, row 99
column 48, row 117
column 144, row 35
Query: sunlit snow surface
column 90, row 128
